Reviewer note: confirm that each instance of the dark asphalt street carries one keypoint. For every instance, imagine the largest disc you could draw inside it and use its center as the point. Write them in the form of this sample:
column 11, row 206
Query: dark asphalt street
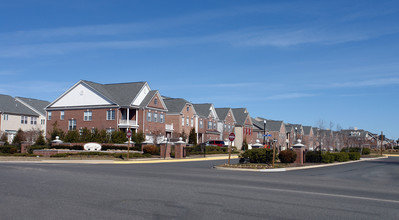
column 363, row 190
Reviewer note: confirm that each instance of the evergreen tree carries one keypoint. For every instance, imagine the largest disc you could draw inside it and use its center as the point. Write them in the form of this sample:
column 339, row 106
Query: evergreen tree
column 138, row 137
column 192, row 138
column 86, row 135
column 40, row 140
column 245, row 145
column 19, row 137
column 56, row 132
column 72, row 136
column 4, row 138
column 118, row 137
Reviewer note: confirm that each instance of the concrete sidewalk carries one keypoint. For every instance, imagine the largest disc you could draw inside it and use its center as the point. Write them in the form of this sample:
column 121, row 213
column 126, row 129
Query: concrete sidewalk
column 131, row 161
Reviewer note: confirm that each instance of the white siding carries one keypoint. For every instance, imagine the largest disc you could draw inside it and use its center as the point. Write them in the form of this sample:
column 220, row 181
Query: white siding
column 81, row 96
column 143, row 93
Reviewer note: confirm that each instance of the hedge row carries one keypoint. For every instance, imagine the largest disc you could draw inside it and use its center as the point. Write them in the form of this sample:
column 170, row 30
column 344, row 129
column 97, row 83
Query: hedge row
column 116, row 155
column 365, row 151
column 316, row 157
column 258, row 155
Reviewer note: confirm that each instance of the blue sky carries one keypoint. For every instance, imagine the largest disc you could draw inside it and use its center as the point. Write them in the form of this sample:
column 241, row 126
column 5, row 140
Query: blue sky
column 297, row 61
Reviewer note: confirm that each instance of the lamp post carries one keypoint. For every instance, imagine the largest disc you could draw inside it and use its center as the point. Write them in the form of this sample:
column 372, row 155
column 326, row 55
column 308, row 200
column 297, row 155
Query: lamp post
column 264, row 132
column 274, row 150
column 296, row 130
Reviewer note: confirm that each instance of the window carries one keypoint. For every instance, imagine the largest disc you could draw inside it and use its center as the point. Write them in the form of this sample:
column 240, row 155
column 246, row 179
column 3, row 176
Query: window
column 42, row 122
column 182, row 121
column 148, row 116
column 209, row 125
column 188, row 122
column 188, row 108
column 155, row 117
column 156, row 101
column 24, row 119
column 200, row 124
column 72, row 124
column 93, row 130
column 87, row 116
column 62, row 114
column 214, row 125
column 225, row 127
column 192, row 122
column 161, row 119
column 49, row 116
column 33, row 120
column 5, row 117
column 111, row 115
column 110, row 130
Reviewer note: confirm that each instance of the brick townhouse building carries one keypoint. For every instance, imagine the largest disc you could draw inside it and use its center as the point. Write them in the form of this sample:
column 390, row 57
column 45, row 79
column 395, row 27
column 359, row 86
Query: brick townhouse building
column 308, row 137
column 226, row 123
column 22, row 113
column 207, row 122
column 118, row 106
column 181, row 116
column 243, row 128
column 274, row 128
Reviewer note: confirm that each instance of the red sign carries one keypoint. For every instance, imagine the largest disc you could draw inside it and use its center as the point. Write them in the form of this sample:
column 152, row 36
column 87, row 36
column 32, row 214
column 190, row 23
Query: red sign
column 129, row 134
column 232, row 136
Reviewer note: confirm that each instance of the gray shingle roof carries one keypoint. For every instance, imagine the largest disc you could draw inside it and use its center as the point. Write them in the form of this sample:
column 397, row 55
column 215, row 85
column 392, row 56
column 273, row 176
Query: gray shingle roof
column 307, row 129
column 271, row 125
column 175, row 105
column 241, row 115
column 121, row 93
column 148, row 98
column 36, row 104
column 202, row 110
column 10, row 105
column 222, row 113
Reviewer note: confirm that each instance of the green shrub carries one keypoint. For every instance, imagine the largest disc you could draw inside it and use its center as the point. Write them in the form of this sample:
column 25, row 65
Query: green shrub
column 118, row 137
column 72, row 136
column 150, row 149
column 327, row 158
column 313, row 157
column 341, row 156
column 287, row 156
column 19, row 137
column 366, row 151
column 354, row 156
column 9, row 149
column 30, row 149
column 74, row 147
column 40, row 140
column 259, row 155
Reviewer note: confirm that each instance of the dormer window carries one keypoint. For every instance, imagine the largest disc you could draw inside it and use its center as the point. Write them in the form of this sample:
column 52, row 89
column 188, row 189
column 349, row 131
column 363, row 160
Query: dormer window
column 156, row 101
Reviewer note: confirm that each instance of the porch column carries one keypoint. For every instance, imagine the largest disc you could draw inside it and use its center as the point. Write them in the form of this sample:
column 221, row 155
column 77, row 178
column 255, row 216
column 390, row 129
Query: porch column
column 128, row 116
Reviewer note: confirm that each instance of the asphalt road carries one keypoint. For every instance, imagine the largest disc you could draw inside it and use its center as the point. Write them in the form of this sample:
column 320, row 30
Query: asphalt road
column 364, row 190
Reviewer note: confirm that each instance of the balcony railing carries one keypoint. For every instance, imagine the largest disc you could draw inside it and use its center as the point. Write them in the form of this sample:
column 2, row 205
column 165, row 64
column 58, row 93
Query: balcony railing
column 132, row 123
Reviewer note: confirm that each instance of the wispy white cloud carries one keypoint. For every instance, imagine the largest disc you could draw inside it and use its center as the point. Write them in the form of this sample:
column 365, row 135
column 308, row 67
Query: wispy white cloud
column 288, row 96
column 62, row 48
column 365, row 83
column 269, row 36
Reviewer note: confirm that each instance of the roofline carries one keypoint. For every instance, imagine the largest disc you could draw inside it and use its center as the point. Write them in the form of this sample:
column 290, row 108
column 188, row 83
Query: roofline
column 29, row 106
column 145, row 84
column 74, row 86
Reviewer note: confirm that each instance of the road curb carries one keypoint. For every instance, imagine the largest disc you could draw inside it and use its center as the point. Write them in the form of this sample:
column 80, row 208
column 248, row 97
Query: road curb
column 297, row 168
column 135, row 161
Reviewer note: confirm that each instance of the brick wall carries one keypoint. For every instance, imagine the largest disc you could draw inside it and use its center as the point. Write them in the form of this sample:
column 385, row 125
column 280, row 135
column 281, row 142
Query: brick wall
column 98, row 119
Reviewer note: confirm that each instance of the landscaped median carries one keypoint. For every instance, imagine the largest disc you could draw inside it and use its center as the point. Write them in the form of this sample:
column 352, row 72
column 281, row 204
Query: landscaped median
column 260, row 160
